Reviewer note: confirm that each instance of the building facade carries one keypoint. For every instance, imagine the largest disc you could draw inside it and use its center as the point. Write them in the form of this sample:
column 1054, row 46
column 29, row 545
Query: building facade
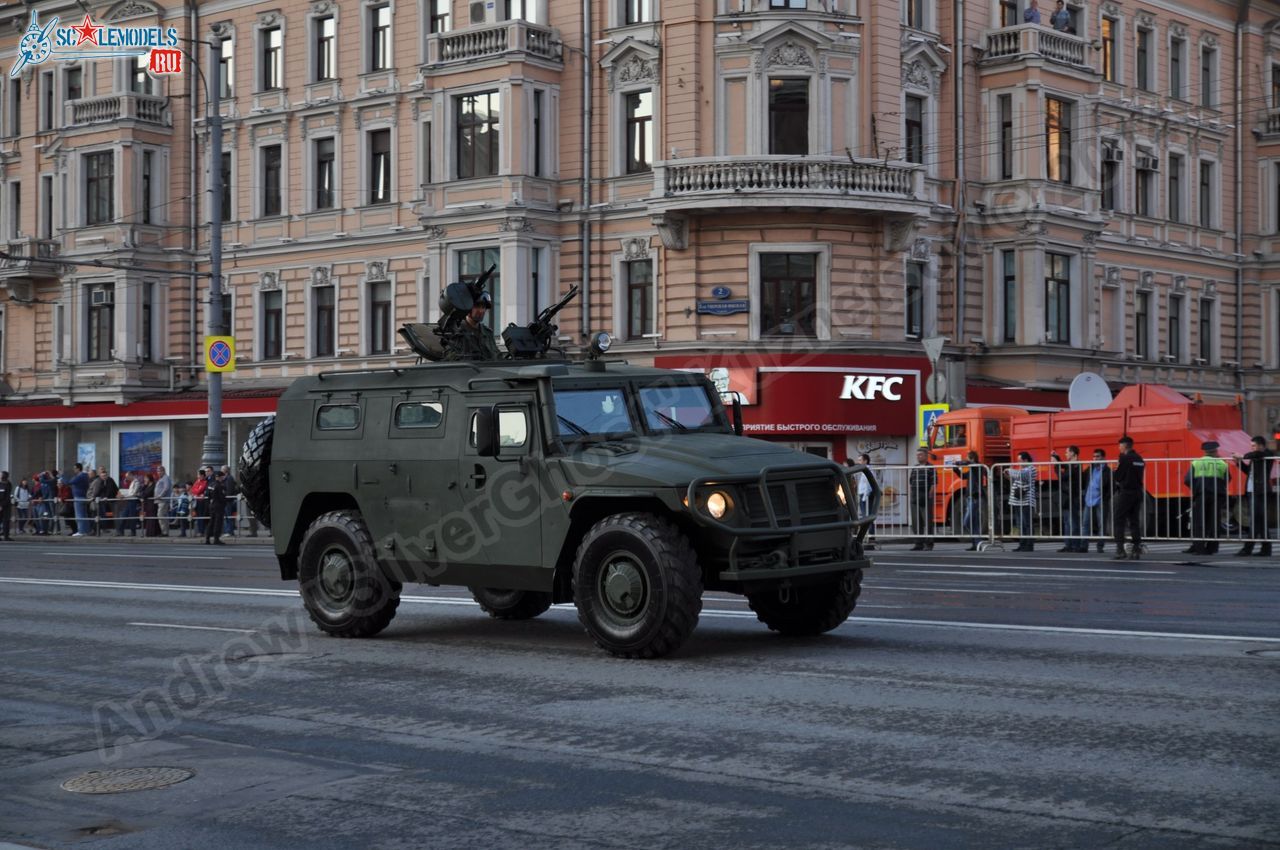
column 792, row 193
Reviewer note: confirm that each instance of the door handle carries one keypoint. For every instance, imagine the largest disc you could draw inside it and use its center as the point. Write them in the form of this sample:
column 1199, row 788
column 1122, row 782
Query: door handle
column 479, row 476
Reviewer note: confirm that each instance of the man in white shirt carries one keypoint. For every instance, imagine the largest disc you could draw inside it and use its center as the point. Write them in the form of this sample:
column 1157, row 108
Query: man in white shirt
column 164, row 498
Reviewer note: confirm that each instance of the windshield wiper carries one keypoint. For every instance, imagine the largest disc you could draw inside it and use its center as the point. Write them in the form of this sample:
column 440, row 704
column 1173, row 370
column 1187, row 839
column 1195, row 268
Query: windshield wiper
column 679, row 426
column 577, row 429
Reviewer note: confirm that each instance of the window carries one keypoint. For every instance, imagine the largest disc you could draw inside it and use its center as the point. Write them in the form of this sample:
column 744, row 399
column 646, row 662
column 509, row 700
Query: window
column 1109, row 66
column 272, row 324
column 338, row 417
column 513, row 428
column 1110, row 175
column 271, row 195
column 1145, row 180
column 1175, row 328
column 148, row 184
column 74, row 81
column 1057, row 298
column 1143, row 68
column 426, row 154
column 322, row 325
column 1142, row 325
column 440, row 15
column 913, row 13
column 788, row 116
column 380, row 37
column 99, row 190
column 47, row 95
column 639, row 108
column 1005, row 102
column 788, row 290
column 1009, row 16
column 102, row 322
column 15, row 108
column 272, row 48
column 1058, row 139
column 1207, row 204
column 639, row 11
column 419, row 414
column 46, row 206
column 145, row 340
column 226, row 185
column 1206, row 330
column 1275, row 86
column 1208, row 83
column 538, row 130
column 521, row 10
column 914, row 304
column 380, row 317
column 15, row 209
column 227, row 69
column 325, row 35
column 1177, row 66
column 478, row 120
column 323, row 178
column 140, row 80
column 913, row 129
column 1009, row 288
column 535, row 281
column 787, row 4
column 380, row 167
column 639, row 287
column 1175, row 187
column 472, row 263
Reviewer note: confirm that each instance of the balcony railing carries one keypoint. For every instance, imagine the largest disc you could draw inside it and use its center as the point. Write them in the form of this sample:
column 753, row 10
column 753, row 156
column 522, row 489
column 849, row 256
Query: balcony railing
column 790, row 176
column 116, row 107
column 1036, row 40
column 23, row 258
column 493, row 41
column 1271, row 122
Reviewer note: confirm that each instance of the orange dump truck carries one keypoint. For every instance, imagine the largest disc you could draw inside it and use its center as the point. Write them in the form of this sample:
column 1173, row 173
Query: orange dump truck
column 1162, row 422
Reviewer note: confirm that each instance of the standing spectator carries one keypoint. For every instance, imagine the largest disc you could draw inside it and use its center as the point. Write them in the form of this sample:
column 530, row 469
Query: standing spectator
column 1097, row 498
column 182, row 509
column 975, row 494
column 6, row 505
column 922, row 480
column 107, row 505
column 130, row 504
column 1060, row 20
column 1024, row 489
column 93, row 494
column 1129, row 480
column 79, row 486
column 22, row 498
column 1258, row 495
column 199, row 506
column 1070, row 490
column 150, row 520
column 864, row 499
column 233, row 501
column 1032, row 14
column 48, row 503
column 66, row 504
column 164, row 498
column 216, row 493
column 1207, row 479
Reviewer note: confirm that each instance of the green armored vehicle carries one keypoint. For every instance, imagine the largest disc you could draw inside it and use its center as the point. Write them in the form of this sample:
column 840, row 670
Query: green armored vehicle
column 627, row 491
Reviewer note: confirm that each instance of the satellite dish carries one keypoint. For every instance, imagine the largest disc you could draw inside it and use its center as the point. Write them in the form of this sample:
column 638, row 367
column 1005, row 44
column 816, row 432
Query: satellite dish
column 1088, row 392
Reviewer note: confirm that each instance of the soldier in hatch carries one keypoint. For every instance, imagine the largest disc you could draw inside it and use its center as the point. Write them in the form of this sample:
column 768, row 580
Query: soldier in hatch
column 475, row 341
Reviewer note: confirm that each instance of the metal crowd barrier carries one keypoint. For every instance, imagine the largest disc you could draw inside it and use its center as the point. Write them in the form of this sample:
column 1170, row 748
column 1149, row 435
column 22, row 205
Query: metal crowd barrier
column 124, row 515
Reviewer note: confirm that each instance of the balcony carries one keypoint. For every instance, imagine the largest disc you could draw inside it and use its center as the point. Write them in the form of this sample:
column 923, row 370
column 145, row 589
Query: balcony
column 1035, row 41
column 507, row 41
column 790, row 181
column 146, row 109
column 22, row 260
column 1269, row 125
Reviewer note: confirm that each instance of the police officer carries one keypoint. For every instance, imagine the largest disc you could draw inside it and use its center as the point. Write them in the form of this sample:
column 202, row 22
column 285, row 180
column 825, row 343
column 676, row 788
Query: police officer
column 1129, row 480
column 1207, row 479
column 216, row 493
column 6, row 505
column 475, row 341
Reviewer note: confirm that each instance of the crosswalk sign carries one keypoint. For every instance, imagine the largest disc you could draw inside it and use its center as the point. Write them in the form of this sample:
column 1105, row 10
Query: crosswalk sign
column 219, row 354
column 928, row 413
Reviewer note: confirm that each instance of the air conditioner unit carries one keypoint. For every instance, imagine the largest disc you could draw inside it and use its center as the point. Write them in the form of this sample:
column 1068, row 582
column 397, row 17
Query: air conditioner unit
column 1110, row 154
column 483, row 12
column 101, row 297
column 1148, row 163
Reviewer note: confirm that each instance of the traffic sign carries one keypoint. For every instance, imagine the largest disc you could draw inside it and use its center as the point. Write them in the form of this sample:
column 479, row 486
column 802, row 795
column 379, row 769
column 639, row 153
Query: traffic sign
column 933, row 347
column 219, row 354
column 928, row 413
column 935, row 387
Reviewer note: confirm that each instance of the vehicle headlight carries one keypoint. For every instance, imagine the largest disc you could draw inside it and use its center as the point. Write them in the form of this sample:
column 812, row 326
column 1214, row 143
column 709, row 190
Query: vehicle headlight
column 718, row 504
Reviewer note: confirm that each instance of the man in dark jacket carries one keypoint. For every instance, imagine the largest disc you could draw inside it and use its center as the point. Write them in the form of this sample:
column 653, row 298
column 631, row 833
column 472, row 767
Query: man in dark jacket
column 216, row 494
column 6, row 505
column 921, row 482
column 1130, row 484
column 1071, row 492
column 1260, row 499
column 975, row 493
column 1207, row 478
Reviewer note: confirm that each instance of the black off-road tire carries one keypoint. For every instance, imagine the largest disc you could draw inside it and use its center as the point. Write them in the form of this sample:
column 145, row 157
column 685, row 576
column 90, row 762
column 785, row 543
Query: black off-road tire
column 255, row 463
column 344, row 590
column 511, row 604
column 637, row 585
column 811, row 609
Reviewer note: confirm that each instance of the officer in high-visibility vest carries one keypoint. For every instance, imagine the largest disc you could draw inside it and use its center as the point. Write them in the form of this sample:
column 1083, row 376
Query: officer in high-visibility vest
column 1207, row 479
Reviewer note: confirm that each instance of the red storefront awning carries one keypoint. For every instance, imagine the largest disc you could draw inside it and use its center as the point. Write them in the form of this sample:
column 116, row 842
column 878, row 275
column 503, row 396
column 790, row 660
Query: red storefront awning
column 180, row 405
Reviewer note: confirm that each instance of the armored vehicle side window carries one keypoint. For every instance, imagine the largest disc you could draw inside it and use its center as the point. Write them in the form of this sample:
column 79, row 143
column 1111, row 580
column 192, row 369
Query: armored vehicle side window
column 513, row 428
column 419, row 414
column 581, row 413
column 338, row 417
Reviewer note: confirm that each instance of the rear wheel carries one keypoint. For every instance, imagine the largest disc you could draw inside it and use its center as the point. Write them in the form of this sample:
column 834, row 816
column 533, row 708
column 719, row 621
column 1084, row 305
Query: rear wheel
column 511, row 604
column 343, row 588
column 809, row 610
column 255, row 459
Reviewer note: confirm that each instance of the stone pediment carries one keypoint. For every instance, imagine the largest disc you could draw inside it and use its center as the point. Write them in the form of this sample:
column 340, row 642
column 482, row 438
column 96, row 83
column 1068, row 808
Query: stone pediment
column 130, row 9
column 631, row 62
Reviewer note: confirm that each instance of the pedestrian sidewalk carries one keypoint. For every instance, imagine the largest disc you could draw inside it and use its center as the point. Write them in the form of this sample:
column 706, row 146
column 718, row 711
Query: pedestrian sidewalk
column 238, row 540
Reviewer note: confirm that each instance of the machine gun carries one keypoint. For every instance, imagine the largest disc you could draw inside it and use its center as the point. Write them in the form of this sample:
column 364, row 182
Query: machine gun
column 445, row 339
column 536, row 339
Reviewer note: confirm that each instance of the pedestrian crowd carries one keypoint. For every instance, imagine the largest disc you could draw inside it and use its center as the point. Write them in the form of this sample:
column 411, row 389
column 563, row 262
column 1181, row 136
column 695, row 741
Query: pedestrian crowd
column 143, row 503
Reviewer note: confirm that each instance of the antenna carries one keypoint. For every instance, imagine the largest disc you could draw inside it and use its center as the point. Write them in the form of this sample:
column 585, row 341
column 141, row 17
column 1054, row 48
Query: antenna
column 1088, row 392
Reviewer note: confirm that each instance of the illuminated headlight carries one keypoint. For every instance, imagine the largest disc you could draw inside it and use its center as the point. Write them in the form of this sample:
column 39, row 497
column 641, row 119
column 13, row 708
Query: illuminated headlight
column 718, row 504
column 844, row 500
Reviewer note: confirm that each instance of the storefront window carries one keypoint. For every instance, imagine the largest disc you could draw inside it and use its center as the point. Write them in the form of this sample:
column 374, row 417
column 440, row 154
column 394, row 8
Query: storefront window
column 788, row 294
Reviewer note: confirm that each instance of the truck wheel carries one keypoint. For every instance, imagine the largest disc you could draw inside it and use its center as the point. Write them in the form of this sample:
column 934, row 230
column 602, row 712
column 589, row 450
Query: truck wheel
column 809, row 610
column 343, row 588
column 637, row 585
column 255, row 459
column 511, row 604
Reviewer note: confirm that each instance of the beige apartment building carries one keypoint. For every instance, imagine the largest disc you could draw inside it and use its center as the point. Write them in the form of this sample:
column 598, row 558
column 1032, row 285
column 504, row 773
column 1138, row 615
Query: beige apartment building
column 789, row 194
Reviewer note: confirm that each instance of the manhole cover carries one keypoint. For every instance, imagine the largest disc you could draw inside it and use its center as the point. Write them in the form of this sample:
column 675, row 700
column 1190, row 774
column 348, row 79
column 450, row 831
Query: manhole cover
column 1264, row 653
column 126, row 779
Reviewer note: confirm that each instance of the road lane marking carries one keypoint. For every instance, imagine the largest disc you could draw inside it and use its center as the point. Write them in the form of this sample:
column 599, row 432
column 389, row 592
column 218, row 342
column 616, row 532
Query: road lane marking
column 1050, row 569
column 1020, row 575
column 715, row 613
column 945, row 589
column 138, row 555
column 196, row 628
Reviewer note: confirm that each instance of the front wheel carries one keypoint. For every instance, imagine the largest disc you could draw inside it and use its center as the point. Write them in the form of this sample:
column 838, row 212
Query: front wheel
column 809, row 610
column 637, row 585
column 343, row 588
column 511, row 604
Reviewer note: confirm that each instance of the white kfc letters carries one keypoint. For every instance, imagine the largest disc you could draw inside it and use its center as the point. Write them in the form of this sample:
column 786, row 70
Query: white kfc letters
column 868, row 387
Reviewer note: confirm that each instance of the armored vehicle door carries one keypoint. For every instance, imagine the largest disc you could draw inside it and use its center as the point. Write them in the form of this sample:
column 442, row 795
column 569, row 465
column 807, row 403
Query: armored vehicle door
column 422, row 463
column 502, row 495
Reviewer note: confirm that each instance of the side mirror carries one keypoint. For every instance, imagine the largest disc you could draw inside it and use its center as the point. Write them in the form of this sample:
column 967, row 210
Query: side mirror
column 737, row 415
column 487, row 431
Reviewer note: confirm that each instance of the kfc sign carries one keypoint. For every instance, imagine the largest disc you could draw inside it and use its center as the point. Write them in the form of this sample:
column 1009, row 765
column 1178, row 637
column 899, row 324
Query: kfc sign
column 871, row 387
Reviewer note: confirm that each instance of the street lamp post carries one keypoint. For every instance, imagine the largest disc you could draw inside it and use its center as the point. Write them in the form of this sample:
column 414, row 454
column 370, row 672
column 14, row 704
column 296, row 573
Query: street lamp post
column 215, row 449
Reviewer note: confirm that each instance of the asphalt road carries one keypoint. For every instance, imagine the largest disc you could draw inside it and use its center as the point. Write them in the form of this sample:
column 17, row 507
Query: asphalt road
column 994, row 700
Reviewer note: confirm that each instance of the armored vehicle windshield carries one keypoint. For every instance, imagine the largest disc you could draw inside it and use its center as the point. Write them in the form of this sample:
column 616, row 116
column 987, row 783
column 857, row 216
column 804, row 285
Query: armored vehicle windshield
column 630, row 409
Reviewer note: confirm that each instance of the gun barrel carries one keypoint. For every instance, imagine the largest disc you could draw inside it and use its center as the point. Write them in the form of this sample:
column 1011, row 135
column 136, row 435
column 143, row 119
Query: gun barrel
column 558, row 306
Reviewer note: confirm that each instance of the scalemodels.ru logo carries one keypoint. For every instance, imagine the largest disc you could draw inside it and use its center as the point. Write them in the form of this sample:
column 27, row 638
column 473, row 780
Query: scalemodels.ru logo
column 97, row 41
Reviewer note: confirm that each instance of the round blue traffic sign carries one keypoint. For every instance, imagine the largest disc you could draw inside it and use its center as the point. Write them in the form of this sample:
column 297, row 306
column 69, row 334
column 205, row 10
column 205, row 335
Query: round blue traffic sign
column 219, row 354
